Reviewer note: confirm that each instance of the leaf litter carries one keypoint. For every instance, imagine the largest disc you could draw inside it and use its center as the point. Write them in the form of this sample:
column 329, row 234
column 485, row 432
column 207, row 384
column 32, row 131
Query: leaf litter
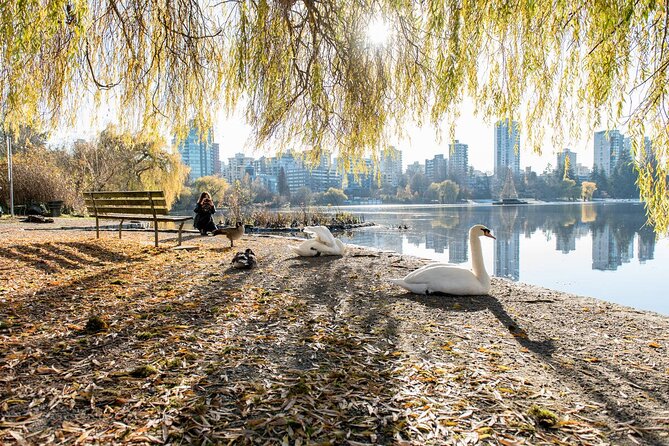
column 184, row 349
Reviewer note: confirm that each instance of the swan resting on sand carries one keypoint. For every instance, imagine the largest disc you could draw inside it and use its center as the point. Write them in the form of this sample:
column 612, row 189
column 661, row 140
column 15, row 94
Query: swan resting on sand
column 323, row 243
column 452, row 279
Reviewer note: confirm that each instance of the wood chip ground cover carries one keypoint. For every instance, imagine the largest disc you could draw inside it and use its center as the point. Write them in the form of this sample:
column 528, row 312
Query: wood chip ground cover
column 306, row 351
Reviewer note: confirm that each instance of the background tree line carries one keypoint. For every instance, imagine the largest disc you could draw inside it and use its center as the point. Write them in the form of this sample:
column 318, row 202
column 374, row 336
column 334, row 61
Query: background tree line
column 114, row 160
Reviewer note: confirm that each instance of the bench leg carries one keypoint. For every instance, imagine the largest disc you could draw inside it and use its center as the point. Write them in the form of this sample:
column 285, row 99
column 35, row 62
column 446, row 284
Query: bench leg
column 120, row 229
column 155, row 230
column 97, row 227
column 180, row 228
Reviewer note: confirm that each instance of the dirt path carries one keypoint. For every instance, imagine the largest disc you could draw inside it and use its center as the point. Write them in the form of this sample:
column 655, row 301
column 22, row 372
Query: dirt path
column 306, row 351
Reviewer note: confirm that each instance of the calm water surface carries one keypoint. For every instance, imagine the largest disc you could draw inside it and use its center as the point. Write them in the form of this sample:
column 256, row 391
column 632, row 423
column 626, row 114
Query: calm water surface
column 601, row 250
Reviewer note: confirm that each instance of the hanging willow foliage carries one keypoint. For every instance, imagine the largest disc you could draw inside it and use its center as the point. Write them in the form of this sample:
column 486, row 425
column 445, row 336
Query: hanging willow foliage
column 309, row 76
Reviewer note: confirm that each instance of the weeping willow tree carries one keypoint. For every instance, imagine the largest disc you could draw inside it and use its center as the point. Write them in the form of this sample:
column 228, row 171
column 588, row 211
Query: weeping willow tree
column 308, row 75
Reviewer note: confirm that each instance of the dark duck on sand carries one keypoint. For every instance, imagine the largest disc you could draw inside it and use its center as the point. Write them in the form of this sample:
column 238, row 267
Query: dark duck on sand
column 244, row 260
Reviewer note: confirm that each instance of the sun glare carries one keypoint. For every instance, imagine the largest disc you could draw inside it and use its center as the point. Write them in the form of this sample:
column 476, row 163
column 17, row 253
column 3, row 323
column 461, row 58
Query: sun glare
column 378, row 32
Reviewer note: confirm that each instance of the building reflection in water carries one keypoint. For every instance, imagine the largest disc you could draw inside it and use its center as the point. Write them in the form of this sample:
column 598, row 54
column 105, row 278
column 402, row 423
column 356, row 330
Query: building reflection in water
column 614, row 230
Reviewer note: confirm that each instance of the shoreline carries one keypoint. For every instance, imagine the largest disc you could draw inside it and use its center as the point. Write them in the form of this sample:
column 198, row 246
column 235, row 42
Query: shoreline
column 320, row 349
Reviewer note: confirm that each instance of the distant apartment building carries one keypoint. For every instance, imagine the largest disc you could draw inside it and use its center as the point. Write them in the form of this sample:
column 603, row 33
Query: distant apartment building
column 390, row 167
column 238, row 167
column 458, row 162
column 583, row 173
column 197, row 152
column 507, row 148
column 608, row 146
column 218, row 168
column 646, row 156
column 359, row 184
column 562, row 158
column 317, row 180
column 436, row 169
column 415, row 168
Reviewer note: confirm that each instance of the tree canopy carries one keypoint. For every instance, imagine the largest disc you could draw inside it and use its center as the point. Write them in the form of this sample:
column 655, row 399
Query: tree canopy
column 308, row 75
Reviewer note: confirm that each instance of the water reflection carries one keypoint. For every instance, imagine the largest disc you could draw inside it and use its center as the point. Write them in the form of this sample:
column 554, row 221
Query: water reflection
column 556, row 242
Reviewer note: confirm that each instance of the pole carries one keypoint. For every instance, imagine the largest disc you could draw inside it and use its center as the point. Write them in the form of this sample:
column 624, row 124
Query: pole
column 10, row 174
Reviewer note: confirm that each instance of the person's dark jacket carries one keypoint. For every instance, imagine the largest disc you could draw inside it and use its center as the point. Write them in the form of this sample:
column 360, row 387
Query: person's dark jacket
column 204, row 218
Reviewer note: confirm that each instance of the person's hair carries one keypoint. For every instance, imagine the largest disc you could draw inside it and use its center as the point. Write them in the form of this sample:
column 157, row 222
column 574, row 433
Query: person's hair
column 203, row 195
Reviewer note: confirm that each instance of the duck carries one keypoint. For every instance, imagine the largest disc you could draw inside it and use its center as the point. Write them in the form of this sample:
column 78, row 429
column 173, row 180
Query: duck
column 244, row 260
column 323, row 243
column 452, row 279
column 231, row 232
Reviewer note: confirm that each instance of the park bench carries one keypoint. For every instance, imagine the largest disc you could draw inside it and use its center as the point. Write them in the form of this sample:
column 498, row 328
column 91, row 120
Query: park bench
column 131, row 205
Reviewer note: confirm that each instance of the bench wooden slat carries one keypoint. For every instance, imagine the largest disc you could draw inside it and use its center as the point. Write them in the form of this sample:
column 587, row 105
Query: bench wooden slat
column 124, row 194
column 160, row 202
column 125, row 210
column 161, row 218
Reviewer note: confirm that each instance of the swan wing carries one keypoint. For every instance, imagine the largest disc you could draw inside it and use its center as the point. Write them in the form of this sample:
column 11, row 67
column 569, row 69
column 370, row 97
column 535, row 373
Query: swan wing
column 322, row 234
column 315, row 246
column 341, row 247
column 417, row 288
column 445, row 279
column 307, row 248
column 430, row 272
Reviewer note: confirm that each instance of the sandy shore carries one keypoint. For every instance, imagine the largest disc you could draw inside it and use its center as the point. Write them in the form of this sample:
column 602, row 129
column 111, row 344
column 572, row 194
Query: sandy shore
column 305, row 351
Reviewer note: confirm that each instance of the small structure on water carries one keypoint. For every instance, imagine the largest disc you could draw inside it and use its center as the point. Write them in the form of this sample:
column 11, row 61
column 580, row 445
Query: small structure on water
column 509, row 194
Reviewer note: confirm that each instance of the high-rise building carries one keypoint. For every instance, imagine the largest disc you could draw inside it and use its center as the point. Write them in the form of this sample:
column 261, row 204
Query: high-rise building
column 608, row 145
column 360, row 184
column 415, row 168
column 218, row 169
column 458, row 162
column 318, row 179
column 646, row 156
column 197, row 152
column 562, row 160
column 507, row 148
column 436, row 168
column 391, row 167
column 238, row 167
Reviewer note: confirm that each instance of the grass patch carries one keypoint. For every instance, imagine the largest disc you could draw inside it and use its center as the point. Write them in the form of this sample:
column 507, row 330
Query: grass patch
column 143, row 371
column 96, row 324
column 543, row 416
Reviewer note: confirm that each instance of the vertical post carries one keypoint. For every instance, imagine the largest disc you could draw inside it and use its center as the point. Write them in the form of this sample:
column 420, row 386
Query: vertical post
column 10, row 174
column 180, row 228
column 155, row 220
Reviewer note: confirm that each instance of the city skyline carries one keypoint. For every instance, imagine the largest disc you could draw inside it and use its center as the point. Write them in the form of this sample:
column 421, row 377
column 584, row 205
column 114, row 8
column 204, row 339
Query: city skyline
column 232, row 135
column 422, row 143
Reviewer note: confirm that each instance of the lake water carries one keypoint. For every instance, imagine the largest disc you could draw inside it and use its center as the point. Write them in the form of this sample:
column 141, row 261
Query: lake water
column 603, row 249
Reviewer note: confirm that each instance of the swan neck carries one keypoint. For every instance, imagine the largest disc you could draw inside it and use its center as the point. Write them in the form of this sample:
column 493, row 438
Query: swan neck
column 477, row 257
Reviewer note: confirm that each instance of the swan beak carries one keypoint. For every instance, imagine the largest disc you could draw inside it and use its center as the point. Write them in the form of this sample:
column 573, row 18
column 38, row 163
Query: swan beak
column 487, row 234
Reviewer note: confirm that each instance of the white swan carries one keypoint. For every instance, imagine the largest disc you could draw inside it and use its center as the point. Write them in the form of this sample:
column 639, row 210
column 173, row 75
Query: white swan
column 451, row 279
column 323, row 243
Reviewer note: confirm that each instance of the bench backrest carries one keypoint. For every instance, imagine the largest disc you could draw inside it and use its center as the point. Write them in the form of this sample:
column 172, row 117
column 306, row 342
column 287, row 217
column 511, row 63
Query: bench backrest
column 126, row 202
